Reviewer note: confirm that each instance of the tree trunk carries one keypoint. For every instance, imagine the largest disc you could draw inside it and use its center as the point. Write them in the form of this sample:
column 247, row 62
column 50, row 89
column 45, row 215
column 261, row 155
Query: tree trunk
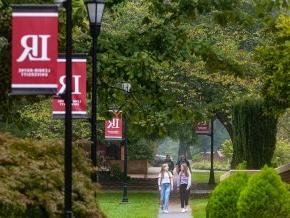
column 182, row 148
column 188, row 153
column 226, row 122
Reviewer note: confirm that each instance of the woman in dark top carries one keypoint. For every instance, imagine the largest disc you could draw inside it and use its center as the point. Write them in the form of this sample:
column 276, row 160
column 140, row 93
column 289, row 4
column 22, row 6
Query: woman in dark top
column 182, row 160
column 183, row 185
column 170, row 163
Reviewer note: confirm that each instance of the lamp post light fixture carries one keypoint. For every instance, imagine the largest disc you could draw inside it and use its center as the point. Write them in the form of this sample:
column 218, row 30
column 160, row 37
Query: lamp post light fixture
column 126, row 88
column 60, row 3
column 68, row 110
column 95, row 10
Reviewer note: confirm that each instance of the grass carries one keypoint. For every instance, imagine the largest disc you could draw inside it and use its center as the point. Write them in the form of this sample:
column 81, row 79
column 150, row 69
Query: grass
column 202, row 177
column 198, row 208
column 141, row 205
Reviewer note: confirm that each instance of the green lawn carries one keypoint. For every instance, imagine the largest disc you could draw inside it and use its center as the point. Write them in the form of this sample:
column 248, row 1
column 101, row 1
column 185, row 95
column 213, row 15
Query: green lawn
column 202, row 177
column 198, row 208
column 141, row 205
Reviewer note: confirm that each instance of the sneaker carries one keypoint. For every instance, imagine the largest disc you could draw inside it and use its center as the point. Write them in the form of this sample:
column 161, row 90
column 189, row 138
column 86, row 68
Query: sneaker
column 183, row 210
column 186, row 209
column 165, row 211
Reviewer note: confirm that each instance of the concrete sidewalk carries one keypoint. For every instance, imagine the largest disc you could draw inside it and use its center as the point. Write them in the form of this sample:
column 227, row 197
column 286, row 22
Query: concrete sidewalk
column 175, row 211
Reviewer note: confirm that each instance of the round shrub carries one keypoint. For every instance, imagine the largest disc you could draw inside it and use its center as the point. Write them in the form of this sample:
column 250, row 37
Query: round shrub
column 140, row 150
column 265, row 196
column 223, row 201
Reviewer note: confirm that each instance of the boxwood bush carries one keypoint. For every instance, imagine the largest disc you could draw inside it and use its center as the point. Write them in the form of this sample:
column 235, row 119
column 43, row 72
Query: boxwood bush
column 32, row 180
column 223, row 201
column 265, row 196
column 140, row 149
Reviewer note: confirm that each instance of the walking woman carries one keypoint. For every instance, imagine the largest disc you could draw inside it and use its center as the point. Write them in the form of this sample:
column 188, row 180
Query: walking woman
column 165, row 183
column 182, row 159
column 183, row 184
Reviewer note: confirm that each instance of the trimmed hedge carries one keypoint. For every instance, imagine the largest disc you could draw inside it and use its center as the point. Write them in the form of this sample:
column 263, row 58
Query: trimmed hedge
column 32, row 180
column 223, row 201
column 254, row 133
column 265, row 196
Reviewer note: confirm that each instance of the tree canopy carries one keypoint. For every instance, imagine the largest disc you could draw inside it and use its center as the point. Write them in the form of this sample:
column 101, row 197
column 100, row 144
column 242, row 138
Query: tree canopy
column 186, row 60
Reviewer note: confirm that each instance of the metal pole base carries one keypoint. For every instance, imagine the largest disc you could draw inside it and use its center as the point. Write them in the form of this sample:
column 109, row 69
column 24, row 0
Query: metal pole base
column 211, row 180
column 125, row 194
column 94, row 177
column 68, row 214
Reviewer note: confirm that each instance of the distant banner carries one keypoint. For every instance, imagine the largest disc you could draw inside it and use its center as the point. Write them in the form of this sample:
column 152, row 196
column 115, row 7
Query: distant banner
column 34, row 49
column 79, row 89
column 114, row 127
column 203, row 128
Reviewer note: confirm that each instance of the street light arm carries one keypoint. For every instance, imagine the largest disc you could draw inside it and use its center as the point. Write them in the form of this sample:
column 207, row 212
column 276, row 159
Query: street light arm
column 138, row 103
column 106, row 85
column 120, row 108
column 61, row 3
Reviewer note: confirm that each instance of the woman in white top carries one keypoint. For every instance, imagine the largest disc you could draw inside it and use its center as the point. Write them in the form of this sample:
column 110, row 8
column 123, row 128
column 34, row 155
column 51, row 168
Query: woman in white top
column 165, row 183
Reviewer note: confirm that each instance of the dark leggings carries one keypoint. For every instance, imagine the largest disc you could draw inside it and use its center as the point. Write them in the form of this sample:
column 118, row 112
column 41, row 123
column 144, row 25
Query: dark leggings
column 184, row 195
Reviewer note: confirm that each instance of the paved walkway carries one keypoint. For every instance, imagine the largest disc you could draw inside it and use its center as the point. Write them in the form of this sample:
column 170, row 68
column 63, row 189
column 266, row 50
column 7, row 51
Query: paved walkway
column 175, row 211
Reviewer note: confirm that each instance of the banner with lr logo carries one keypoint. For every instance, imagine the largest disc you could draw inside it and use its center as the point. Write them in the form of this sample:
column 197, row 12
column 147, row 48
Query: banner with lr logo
column 34, row 49
column 79, row 89
column 114, row 127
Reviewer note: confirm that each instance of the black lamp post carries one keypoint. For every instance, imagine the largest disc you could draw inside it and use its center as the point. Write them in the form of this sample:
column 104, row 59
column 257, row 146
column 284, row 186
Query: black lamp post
column 95, row 10
column 211, row 173
column 68, row 110
column 126, row 87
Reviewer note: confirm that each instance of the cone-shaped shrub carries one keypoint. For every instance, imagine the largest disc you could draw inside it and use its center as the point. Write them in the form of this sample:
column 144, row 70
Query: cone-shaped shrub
column 223, row 201
column 265, row 196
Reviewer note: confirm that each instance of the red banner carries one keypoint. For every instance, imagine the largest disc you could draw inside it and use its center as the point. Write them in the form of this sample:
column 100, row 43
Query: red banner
column 203, row 128
column 79, row 89
column 34, row 49
column 114, row 127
